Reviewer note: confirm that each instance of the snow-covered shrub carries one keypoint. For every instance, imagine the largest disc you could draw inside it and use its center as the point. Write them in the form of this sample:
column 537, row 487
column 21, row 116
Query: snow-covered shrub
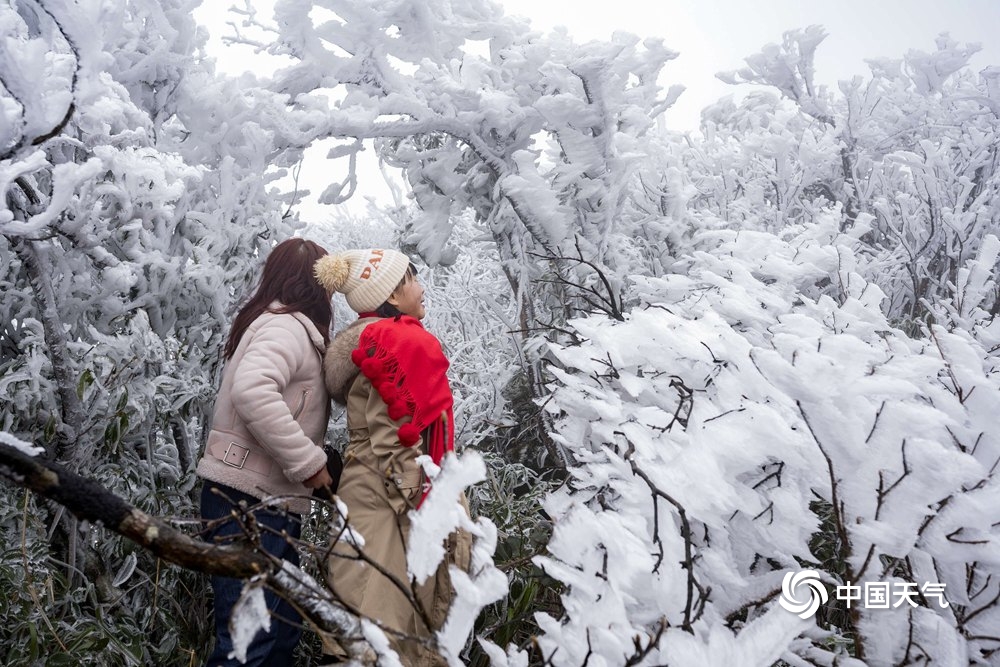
column 711, row 426
column 910, row 153
column 132, row 216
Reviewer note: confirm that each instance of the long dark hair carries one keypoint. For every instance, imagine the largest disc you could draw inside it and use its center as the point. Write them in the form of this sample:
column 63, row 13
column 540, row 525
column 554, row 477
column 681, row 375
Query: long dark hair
column 288, row 278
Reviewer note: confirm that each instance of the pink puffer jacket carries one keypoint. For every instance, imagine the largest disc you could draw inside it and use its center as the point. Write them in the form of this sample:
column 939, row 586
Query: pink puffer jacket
column 271, row 412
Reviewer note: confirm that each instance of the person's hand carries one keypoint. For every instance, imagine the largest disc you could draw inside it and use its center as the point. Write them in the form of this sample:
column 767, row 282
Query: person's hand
column 319, row 480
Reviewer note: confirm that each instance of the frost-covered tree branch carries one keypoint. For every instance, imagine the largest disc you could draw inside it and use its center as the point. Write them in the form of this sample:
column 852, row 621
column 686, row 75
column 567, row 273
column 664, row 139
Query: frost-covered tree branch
column 18, row 83
column 90, row 501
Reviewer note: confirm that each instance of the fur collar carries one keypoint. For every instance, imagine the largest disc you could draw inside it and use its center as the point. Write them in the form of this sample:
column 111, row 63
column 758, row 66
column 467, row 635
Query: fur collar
column 338, row 368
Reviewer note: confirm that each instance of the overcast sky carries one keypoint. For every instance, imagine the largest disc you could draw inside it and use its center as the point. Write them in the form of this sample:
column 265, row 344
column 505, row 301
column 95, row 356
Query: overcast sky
column 715, row 35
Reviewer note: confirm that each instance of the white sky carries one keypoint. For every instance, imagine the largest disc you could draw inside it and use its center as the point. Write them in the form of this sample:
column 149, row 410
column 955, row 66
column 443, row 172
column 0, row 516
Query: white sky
column 715, row 35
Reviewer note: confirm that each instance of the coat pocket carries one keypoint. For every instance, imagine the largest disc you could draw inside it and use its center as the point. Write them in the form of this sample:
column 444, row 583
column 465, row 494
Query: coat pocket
column 303, row 402
column 404, row 489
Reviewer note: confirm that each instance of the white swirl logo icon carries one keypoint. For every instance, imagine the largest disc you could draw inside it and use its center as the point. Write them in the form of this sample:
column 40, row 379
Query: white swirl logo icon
column 807, row 584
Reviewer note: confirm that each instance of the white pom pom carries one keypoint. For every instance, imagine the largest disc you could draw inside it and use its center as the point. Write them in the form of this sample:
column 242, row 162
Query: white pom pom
column 332, row 271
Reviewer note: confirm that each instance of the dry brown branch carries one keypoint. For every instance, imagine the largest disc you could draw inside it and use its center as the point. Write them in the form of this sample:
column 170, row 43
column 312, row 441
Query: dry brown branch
column 89, row 501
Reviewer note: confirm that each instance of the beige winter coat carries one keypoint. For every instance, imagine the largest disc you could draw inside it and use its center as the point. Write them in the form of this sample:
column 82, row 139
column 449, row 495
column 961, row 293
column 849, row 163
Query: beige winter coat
column 271, row 412
column 381, row 482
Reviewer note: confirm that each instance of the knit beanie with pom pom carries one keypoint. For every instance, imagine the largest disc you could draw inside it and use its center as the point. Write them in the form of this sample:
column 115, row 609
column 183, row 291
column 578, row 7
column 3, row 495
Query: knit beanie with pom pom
column 366, row 277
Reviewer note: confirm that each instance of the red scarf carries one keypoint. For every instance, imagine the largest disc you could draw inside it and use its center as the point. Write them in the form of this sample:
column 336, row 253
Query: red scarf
column 407, row 367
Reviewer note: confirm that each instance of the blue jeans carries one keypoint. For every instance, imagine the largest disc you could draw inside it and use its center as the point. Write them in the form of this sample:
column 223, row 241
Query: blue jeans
column 268, row 649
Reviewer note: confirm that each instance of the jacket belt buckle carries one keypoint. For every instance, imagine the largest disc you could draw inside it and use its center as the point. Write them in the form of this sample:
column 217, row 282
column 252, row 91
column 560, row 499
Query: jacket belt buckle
column 234, row 457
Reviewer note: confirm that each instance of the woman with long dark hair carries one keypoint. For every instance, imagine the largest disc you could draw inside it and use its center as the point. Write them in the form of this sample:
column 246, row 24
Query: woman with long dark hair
column 267, row 433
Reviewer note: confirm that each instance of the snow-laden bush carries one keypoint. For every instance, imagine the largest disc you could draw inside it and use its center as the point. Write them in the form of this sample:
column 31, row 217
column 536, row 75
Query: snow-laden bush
column 132, row 216
column 909, row 151
column 738, row 421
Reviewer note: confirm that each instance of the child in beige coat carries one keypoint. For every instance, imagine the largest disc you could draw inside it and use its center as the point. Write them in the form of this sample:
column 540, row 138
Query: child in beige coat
column 390, row 373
